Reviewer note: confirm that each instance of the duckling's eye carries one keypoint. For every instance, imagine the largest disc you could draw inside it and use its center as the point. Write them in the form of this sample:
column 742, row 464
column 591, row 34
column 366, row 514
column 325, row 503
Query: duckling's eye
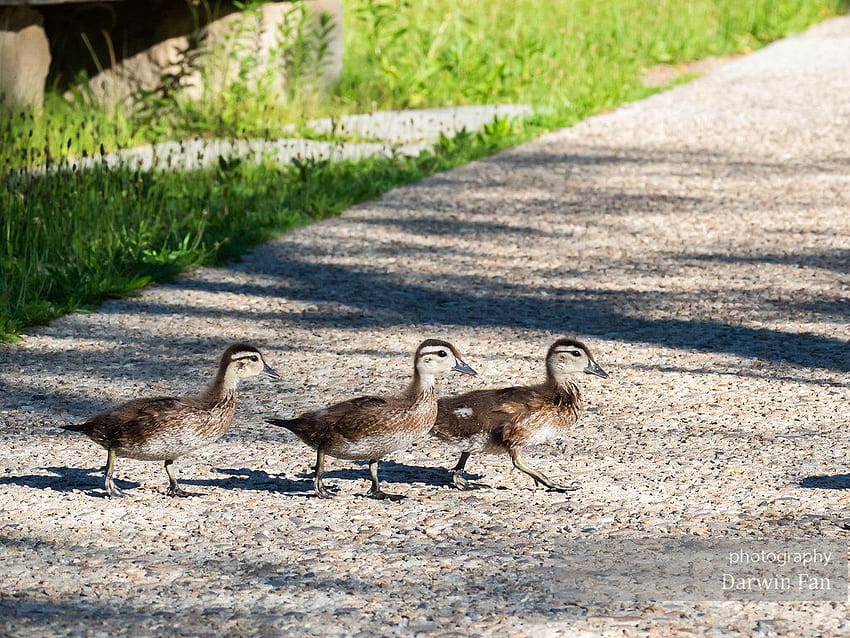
column 575, row 353
column 442, row 353
column 254, row 357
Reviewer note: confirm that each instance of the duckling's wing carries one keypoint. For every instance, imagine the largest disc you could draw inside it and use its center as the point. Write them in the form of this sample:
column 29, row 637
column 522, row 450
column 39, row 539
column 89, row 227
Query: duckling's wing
column 484, row 410
column 320, row 427
column 342, row 408
column 133, row 421
column 513, row 404
column 362, row 402
column 524, row 413
column 458, row 416
column 365, row 418
column 360, row 417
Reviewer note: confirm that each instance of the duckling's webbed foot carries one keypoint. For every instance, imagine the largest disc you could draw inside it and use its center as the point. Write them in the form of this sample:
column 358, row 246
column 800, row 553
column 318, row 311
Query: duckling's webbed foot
column 173, row 488
column 457, row 474
column 375, row 491
column 379, row 494
column 540, row 478
column 459, row 482
column 112, row 490
column 464, row 485
column 322, row 490
column 560, row 487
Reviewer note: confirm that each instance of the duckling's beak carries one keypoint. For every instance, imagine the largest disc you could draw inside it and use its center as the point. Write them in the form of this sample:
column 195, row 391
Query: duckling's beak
column 269, row 371
column 593, row 368
column 460, row 366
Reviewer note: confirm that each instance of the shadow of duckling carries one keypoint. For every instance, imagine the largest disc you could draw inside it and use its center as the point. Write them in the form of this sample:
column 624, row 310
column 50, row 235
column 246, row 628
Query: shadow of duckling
column 66, row 479
column 391, row 472
column 253, row 480
column 826, row 482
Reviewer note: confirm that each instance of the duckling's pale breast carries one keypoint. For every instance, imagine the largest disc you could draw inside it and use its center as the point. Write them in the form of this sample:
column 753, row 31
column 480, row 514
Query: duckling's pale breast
column 540, row 426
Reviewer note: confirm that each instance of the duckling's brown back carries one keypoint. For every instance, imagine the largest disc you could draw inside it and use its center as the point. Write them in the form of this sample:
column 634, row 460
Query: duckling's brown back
column 505, row 413
column 363, row 427
column 161, row 428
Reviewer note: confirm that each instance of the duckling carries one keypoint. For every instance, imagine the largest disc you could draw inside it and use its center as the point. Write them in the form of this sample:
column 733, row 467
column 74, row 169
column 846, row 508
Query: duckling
column 164, row 428
column 509, row 419
column 369, row 427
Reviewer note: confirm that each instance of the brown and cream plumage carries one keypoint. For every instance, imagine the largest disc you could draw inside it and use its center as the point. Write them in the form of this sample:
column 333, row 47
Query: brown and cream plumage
column 164, row 428
column 369, row 428
column 506, row 420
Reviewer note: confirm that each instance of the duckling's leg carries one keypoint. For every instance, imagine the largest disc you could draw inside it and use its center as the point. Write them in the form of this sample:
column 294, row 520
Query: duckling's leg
column 540, row 477
column 375, row 491
column 173, row 489
column 112, row 490
column 318, row 484
column 457, row 480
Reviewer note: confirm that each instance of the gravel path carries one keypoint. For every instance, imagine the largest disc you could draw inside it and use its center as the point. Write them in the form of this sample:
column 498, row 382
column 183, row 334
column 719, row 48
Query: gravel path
column 698, row 241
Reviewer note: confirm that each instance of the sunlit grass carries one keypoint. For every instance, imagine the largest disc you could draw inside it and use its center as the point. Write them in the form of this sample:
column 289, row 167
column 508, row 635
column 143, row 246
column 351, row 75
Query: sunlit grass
column 72, row 238
column 573, row 57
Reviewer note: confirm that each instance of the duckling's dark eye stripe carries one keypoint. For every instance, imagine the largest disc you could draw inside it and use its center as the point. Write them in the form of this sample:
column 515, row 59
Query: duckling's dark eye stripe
column 245, row 355
column 440, row 352
column 573, row 351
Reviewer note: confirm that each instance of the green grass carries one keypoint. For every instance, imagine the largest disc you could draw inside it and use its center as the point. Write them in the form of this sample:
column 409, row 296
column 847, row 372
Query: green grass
column 72, row 238
column 77, row 237
column 573, row 57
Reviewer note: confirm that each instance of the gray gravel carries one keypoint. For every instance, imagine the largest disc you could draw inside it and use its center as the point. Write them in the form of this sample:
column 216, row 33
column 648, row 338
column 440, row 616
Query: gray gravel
column 697, row 240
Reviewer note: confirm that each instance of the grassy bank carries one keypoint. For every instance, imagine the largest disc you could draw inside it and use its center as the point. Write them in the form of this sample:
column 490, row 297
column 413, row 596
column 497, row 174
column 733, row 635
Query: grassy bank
column 75, row 237
column 574, row 56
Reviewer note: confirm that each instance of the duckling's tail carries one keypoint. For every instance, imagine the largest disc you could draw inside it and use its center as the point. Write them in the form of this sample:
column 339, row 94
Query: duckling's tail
column 74, row 427
column 289, row 424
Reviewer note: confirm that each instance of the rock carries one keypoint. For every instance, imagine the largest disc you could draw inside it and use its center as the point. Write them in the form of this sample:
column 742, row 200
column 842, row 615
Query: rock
column 159, row 47
column 191, row 53
column 24, row 58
